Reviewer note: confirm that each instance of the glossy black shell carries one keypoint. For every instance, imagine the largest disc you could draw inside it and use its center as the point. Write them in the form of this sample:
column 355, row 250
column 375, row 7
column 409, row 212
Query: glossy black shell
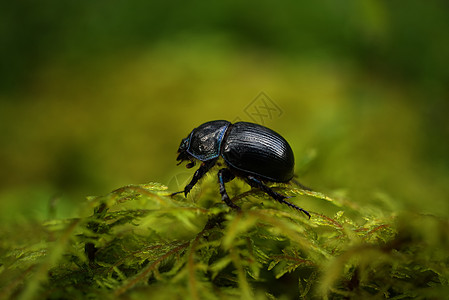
column 259, row 151
column 248, row 148
column 205, row 140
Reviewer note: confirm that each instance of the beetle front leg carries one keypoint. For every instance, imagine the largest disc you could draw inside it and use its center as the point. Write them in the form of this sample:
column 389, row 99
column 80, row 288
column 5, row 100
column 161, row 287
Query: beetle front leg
column 254, row 182
column 202, row 170
column 224, row 175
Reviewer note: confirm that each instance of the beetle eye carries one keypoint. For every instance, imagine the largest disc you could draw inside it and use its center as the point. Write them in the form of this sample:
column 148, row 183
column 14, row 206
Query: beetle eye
column 190, row 165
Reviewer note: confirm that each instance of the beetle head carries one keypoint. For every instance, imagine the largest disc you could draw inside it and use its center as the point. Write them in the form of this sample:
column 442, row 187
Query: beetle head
column 184, row 155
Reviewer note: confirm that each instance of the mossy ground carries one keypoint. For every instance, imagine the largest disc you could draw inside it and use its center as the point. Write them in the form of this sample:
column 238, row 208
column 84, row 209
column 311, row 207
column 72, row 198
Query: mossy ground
column 138, row 241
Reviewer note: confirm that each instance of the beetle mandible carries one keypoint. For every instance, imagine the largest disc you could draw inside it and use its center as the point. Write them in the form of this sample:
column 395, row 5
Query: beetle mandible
column 250, row 151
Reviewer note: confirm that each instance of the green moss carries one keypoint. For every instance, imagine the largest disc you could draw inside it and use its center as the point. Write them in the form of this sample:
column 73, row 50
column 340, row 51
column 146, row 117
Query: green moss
column 137, row 241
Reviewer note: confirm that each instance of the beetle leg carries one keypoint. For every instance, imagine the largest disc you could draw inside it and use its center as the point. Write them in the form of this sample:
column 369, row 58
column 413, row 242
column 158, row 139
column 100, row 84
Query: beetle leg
column 203, row 169
column 224, row 175
column 254, row 182
column 301, row 185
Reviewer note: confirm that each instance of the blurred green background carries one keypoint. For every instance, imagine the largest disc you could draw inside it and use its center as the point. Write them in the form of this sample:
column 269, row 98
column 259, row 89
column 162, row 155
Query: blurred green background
column 97, row 95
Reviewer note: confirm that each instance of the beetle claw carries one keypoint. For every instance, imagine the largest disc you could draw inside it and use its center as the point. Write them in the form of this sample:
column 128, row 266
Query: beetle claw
column 175, row 193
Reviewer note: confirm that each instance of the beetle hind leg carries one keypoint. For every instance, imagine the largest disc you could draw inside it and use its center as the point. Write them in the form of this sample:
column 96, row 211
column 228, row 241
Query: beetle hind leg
column 224, row 175
column 254, row 182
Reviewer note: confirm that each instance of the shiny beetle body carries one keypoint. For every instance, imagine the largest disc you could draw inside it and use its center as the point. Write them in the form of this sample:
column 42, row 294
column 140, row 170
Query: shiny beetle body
column 250, row 151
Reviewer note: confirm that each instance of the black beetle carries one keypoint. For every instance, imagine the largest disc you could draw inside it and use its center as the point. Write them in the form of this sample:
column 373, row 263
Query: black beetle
column 250, row 151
